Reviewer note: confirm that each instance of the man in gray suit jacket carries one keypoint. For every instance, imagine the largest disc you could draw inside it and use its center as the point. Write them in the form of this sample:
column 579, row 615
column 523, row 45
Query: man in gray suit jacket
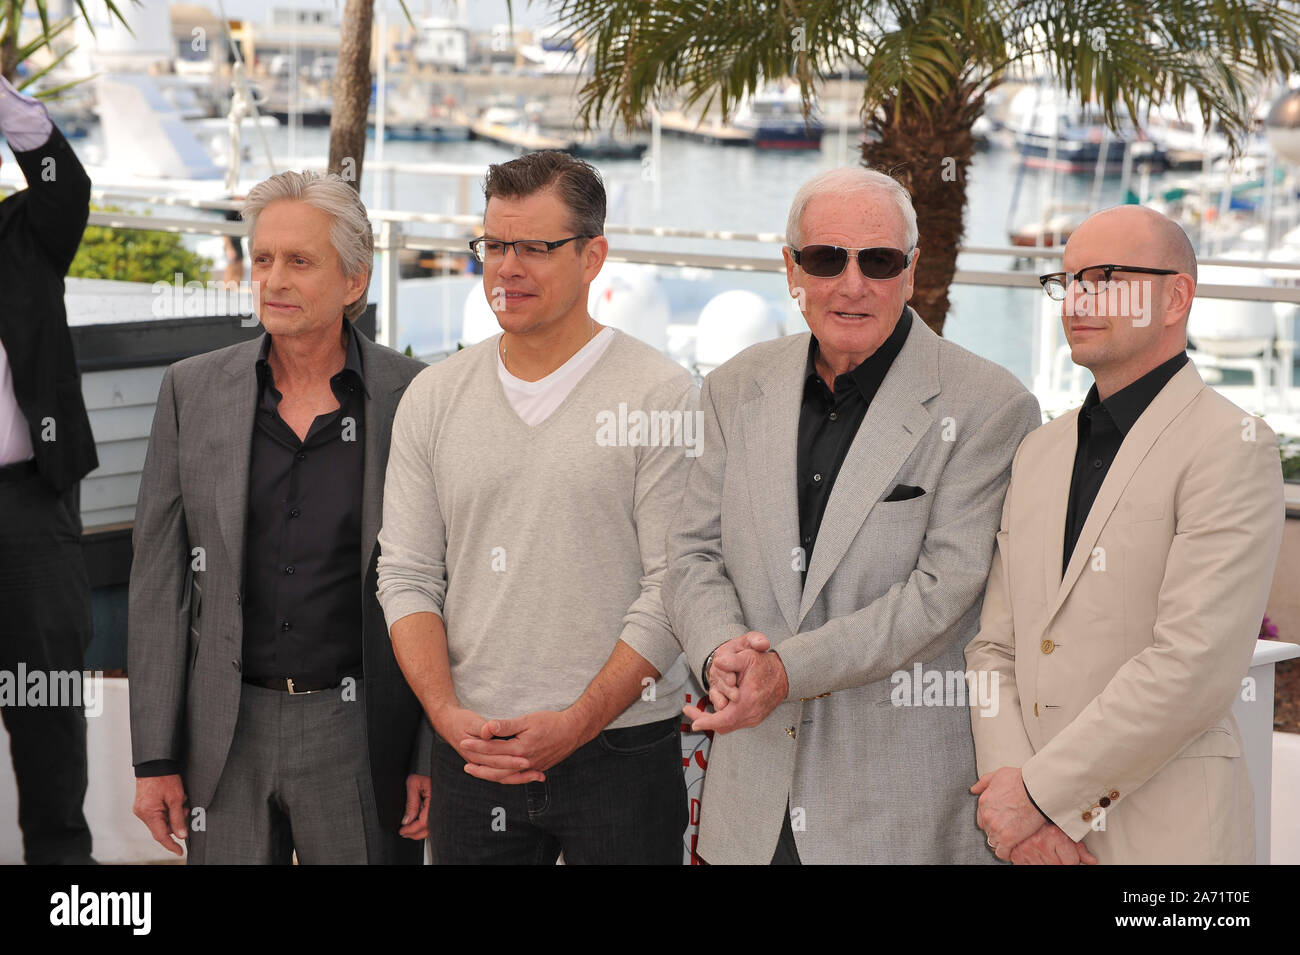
column 263, row 683
column 835, row 533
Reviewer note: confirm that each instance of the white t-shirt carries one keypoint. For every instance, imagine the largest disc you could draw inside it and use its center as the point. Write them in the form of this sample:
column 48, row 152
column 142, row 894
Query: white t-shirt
column 15, row 439
column 534, row 401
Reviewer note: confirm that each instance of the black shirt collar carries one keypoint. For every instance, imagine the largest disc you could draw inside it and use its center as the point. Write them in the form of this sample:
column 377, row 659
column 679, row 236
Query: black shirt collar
column 1126, row 405
column 351, row 365
column 869, row 375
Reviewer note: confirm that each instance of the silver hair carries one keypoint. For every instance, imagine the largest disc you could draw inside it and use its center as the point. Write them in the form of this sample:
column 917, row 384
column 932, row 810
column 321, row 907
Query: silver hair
column 350, row 231
column 851, row 179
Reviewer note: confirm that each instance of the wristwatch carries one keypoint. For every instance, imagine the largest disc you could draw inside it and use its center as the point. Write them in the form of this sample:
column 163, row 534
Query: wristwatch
column 708, row 662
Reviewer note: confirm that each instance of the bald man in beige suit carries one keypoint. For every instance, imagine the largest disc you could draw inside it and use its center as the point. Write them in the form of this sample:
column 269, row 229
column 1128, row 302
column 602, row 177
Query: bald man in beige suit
column 1137, row 547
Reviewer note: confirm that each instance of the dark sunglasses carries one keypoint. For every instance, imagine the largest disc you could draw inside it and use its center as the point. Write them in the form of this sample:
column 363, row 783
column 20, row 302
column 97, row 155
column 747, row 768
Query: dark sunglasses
column 828, row 261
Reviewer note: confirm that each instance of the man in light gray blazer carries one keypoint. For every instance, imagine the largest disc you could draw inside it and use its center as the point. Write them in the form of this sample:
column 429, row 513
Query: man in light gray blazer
column 263, row 683
column 830, row 557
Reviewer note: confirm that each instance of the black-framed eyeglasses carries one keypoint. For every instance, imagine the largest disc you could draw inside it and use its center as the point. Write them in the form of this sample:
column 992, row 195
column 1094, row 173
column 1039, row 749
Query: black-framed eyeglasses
column 828, row 261
column 1091, row 279
column 528, row 250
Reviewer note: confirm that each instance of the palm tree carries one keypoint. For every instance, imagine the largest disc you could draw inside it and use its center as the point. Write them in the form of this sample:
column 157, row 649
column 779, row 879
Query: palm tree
column 11, row 54
column 929, row 66
column 351, row 92
column 352, row 89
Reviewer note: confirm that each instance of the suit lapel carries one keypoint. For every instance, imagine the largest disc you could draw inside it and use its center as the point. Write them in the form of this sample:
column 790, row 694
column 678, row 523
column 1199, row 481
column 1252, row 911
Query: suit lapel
column 384, row 390
column 1171, row 400
column 1058, row 471
column 770, row 425
column 235, row 407
column 893, row 426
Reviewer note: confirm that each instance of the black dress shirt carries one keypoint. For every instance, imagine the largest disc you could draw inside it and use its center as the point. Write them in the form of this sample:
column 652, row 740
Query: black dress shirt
column 302, row 544
column 828, row 422
column 1102, row 428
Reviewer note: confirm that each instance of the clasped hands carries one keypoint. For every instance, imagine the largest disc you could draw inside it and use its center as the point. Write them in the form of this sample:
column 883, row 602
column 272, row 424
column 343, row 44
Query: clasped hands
column 516, row 750
column 747, row 680
column 1017, row 832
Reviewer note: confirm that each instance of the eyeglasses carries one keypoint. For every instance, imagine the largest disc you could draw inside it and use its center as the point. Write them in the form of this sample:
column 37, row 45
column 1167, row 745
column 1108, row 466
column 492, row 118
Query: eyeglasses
column 1090, row 279
column 828, row 261
column 528, row 250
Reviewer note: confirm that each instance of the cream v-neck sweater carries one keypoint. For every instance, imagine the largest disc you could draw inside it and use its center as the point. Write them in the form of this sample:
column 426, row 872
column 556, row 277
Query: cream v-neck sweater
column 540, row 546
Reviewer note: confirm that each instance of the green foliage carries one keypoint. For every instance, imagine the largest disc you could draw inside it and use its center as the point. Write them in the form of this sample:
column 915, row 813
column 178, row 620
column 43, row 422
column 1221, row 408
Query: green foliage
column 1289, row 448
column 135, row 255
column 1291, row 468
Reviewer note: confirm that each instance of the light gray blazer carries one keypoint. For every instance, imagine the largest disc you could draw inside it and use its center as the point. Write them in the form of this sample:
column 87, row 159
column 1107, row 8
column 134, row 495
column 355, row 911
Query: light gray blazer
column 185, row 636
column 890, row 584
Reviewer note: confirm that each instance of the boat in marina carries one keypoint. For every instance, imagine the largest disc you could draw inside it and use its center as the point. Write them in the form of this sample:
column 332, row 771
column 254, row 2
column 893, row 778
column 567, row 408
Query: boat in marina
column 774, row 115
column 1052, row 131
column 516, row 128
column 771, row 119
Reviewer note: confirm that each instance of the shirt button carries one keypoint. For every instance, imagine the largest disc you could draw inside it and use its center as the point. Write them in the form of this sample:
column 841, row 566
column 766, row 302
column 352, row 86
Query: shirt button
column 286, row 625
column 834, row 416
column 1096, row 464
column 817, row 478
column 807, row 540
column 289, row 570
column 294, row 512
column 301, row 456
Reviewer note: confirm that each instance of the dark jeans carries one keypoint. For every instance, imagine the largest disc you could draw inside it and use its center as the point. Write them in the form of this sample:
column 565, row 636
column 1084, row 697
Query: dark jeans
column 617, row 800
column 45, row 625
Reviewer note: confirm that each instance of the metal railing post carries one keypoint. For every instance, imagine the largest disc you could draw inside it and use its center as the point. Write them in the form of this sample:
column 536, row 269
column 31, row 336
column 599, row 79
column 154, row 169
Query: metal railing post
column 390, row 241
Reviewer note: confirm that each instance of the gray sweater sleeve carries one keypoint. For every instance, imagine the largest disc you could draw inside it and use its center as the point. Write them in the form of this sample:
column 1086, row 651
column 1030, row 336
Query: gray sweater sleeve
column 660, row 478
column 413, row 538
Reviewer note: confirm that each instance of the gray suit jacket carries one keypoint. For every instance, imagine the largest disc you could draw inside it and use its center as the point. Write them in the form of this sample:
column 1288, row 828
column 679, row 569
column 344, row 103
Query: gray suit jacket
column 891, row 584
column 186, row 626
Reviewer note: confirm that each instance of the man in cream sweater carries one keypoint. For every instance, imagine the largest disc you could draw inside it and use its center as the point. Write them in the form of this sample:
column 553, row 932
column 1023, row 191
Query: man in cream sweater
column 530, row 485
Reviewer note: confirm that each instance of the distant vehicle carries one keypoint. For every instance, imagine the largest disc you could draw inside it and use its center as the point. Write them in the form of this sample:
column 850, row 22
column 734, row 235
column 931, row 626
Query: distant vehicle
column 324, row 67
column 443, row 44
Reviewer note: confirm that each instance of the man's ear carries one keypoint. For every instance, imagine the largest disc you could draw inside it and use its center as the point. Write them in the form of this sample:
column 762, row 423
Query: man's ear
column 357, row 285
column 1178, row 300
column 593, row 258
column 911, row 273
column 791, row 281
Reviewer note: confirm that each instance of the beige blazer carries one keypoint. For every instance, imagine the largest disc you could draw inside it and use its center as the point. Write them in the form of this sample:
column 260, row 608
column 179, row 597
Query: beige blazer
column 1116, row 683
